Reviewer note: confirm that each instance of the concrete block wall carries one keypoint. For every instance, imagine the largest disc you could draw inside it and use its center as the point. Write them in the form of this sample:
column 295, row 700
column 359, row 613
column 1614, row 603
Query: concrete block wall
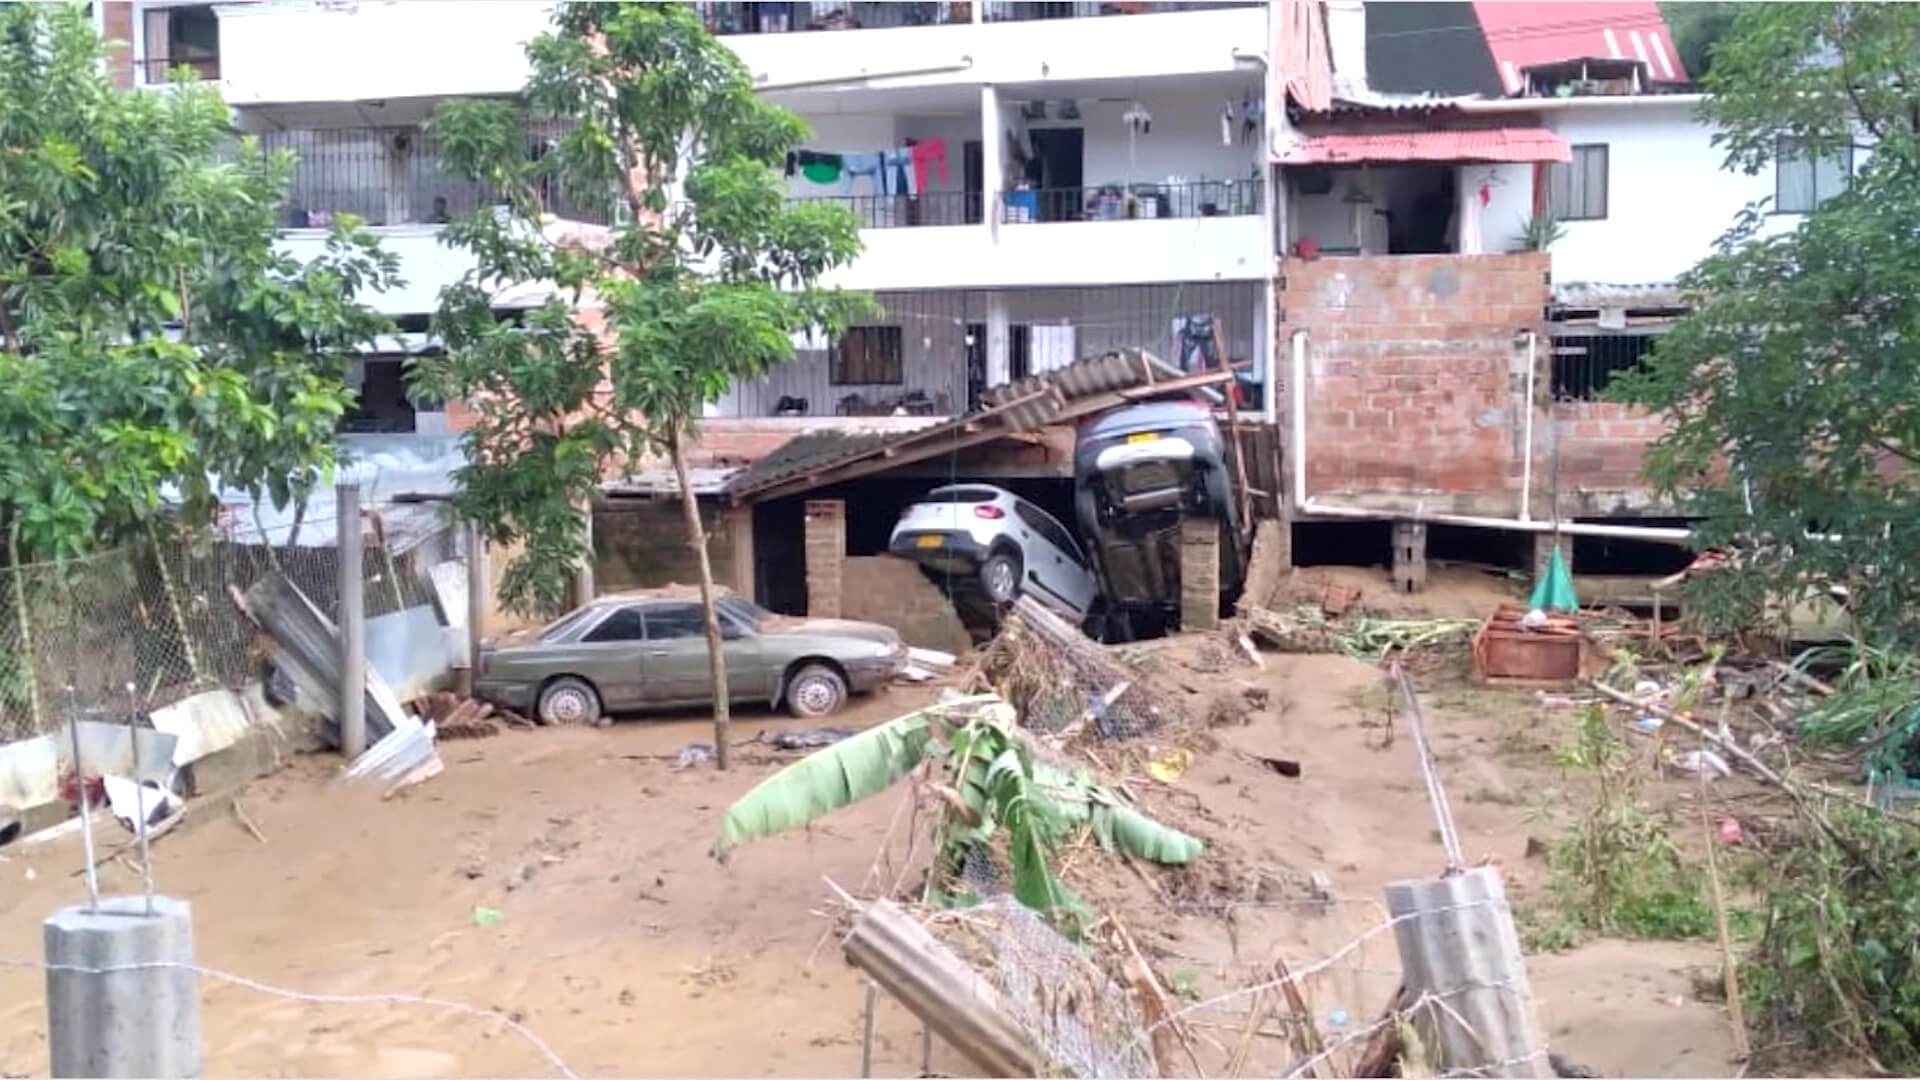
column 1414, row 383
column 1199, row 573
column 642, row 543
column 826, row 547
column 1603, row 446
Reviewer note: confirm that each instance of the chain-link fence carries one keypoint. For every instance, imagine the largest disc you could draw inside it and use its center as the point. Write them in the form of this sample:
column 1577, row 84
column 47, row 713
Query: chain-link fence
column 124, row 631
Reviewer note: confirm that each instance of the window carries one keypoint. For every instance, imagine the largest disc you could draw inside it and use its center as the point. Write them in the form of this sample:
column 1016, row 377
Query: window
column 1801, row 182
column 1049, row 530
column 867, row 355
column 622, row 625
column 1577, row 190
column 673, row 622
column 179, row 35
column 1583, row 365
column 961, row 495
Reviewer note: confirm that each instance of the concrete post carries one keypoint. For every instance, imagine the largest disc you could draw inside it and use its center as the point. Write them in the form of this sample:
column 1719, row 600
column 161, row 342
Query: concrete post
column 826, row 545
column 122, row 996
column 479, row 588
column 1409, row 556
column 398, row 153
column 738, row 523
column 1459, row 948
column 583, row 586
column 999, row 341
column 993, row 167
column 1199, row 573
column 352, row 706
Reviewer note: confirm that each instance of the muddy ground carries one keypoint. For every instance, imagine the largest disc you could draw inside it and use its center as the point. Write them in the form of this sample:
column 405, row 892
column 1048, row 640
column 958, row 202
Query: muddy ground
column 624, row 946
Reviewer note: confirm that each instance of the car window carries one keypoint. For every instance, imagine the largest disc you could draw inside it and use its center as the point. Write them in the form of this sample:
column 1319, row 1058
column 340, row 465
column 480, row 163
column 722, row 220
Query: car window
column 745, row 610
column 670, row 622
column 622, row 625
column 1049, row 529
column 961, row 495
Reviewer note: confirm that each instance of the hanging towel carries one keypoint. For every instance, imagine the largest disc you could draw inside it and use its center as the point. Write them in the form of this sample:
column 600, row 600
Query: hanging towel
column 896, row 168
column 819, row 168
column 867, row 165
column 1226, row 124
column 928, row 153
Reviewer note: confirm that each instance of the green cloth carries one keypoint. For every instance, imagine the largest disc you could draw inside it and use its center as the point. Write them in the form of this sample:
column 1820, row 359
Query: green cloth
column 822, row 172
column 1554, row 590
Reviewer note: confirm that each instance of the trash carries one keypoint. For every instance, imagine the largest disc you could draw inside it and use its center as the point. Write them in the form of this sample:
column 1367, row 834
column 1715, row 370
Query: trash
column 1338, row 1019
column 1253, row 654
column 126, row 799
column 1646, row 690
column 1283, row 766
column 484, row 916
column 1730, row 832
column 1647, row 725
column 1336, row 599
column 932, row 659
column 305, row 645
column 802, row 739
column 1168, row 766
column 692, row 755
column 403, row 758
column 1704, row 762
column 1533, row 620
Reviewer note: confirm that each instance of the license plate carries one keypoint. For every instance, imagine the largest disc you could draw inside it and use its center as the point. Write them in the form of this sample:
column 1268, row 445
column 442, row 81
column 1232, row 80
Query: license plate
column 1143, row 436
column 929, row 541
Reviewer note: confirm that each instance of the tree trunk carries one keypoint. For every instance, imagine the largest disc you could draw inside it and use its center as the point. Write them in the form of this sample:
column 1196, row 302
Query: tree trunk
column 697, row 536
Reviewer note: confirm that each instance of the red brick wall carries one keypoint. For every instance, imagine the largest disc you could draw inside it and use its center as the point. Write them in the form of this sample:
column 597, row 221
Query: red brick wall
column 1413, row 387
column 1602, row 446
column 117, row 31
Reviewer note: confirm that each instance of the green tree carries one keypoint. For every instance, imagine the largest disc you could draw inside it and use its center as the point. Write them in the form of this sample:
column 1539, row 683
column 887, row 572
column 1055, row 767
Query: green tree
column 150, row 334
column 704, row 281
column 1792, row 385
column 1697, row 27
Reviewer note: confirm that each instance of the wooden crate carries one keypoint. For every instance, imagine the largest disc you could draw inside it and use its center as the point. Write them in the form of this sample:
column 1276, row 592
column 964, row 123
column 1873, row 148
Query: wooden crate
column 1505, row 653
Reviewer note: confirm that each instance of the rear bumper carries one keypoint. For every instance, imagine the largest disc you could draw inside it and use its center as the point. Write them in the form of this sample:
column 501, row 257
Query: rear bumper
column 517, row 696
column 954, row 547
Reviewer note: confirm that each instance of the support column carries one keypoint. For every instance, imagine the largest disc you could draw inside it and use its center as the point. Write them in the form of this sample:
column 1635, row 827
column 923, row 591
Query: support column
column 399, row 151
column 1199, row 573
column 479, row 589
column 999, row 341
column 993, row 167
column 1409, row 556
column 352, row 707
column 826, row 542
column 583, row 584
column 1458, row 946
column 1543, row 545
column 738, row 522
column 122, row 996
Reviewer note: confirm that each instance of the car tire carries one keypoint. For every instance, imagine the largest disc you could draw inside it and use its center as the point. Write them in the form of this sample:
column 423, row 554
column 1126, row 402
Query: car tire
column 1000, row 576
column 814, row 691
column 569, row 700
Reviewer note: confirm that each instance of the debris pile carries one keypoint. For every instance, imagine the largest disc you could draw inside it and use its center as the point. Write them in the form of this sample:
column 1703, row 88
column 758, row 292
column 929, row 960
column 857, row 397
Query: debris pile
column 1060, row 681
column 459, row 717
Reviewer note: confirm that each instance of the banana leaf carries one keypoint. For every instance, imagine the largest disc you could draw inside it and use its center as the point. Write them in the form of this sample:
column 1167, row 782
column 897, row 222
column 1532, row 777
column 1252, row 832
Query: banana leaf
column 1138, row 835
column 828, row 779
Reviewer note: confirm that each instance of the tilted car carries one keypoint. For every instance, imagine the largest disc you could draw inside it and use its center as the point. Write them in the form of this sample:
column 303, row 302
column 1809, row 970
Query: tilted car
column 1138, row 471
column 978, row 535
column 648, row 649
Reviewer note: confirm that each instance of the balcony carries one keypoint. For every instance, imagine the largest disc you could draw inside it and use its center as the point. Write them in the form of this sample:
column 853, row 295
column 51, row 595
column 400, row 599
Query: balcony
column 768, row 18
column 158, row 71
column 1133, row 202
column 390, row 177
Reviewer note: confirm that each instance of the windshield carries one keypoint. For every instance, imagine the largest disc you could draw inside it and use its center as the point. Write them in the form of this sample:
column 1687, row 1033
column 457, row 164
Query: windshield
column 554, row 630
column 748, row 612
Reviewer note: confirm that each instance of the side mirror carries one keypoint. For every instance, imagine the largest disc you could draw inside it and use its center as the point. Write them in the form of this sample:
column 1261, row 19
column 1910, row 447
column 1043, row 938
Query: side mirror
column 731, row 631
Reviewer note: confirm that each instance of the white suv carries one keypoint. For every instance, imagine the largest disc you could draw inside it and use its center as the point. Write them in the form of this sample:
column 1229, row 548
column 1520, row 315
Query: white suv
column 1005, row 544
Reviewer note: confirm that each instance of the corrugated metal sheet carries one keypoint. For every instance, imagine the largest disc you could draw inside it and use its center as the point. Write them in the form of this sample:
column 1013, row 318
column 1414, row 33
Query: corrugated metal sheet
column 1491, row 144
column 1598, row 294
column 808, row 452
column 1521, row 35
column 1300, row 62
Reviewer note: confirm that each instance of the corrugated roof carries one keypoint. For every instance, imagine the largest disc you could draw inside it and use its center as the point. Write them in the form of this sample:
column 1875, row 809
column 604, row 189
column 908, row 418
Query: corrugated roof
column 1600, row 294
column 805, row 453
column 1491, row 144
column 1521, row 35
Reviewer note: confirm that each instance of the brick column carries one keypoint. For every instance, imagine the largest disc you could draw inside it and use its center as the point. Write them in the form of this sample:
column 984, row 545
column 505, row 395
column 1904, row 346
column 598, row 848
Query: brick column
column 826, row 539
column 1409, row 556
column 1199, row 573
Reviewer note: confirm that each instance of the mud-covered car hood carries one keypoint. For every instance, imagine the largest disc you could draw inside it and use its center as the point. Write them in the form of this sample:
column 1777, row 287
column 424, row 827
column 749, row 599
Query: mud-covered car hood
column 851, row 629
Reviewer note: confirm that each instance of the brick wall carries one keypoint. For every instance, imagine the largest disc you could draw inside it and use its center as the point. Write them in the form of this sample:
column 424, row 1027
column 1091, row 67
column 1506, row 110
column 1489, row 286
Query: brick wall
column 642, row 544
column 117, row 31
column 1414, row 383
column 1602, row 448
column 826, row 546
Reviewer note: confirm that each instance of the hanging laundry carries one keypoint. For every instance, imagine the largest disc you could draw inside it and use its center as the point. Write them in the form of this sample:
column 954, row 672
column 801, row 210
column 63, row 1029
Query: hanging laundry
column 819, row 168
column 1253, row 113
column 867, row 165
column 896, row 171
column 1194, row 348
column 1226, row 124
column 928, row 153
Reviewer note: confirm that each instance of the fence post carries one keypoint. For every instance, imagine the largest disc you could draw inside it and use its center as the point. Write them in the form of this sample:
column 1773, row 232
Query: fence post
column 29, row 667
column 477, row 590
column 1461, row 963
column 123, row 998
column 353, row 623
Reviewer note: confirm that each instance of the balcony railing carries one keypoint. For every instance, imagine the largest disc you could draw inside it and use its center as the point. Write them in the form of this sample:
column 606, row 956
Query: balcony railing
column 392, row 176
column 158, row 70
column 1133, row 202
column 785, row 18
column 905, row 211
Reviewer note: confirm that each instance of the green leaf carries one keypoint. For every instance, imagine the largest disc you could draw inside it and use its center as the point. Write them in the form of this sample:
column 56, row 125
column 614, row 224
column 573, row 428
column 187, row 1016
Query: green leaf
column 1142, row 837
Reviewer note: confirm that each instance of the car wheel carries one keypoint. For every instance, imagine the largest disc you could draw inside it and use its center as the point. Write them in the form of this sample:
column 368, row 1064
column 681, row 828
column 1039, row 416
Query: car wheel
column 569, row 701
column 1000, row 574
column 815, row 691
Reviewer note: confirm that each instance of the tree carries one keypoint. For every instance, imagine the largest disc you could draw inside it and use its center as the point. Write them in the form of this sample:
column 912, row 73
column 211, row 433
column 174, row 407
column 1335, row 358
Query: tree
column 150, row 335
column 1697, row 27
column 1792, row 386
column 704, row 281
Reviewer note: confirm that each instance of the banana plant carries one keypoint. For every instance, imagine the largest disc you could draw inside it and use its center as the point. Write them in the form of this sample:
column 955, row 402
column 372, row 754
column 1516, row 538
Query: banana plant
column 992, row 783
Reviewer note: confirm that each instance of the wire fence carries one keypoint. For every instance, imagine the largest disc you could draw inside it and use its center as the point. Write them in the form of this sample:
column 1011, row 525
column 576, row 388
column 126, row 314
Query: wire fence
column 161, row 617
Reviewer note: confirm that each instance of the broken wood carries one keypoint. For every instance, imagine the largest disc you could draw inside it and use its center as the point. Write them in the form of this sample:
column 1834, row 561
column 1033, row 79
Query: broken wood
column 1381, row 1054
column 939, row 988
column 1155, row 1006
column 246, row 822
column 1736, row 1014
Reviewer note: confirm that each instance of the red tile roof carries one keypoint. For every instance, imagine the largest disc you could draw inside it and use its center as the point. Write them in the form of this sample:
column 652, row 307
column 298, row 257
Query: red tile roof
column 1484, row 144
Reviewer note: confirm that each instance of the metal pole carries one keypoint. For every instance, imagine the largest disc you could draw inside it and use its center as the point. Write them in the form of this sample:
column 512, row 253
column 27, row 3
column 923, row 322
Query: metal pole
column 353, row 624
column 86, row 810
column 477, row 590
column 139, row 797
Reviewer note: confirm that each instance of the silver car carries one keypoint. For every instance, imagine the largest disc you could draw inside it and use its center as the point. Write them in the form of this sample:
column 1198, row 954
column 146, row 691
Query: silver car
column 649, row 649
column 985, row 534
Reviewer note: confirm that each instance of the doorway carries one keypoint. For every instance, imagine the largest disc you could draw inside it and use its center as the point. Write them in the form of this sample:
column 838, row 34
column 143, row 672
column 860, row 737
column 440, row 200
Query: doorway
column 1059, row 155
column 973, row 174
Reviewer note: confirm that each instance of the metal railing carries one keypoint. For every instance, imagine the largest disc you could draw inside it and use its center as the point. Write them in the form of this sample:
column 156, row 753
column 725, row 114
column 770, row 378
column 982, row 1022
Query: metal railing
column 157, row 70
column 906, row 211
column 393, row 176
column 790, row 18
column 1133, row 202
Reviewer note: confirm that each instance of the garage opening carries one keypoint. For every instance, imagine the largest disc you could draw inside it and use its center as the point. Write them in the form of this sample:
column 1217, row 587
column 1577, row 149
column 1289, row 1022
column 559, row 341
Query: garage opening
column 1343, row 543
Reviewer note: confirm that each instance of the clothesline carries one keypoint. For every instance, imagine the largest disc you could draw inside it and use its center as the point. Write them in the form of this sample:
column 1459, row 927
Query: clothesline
column 903, row 170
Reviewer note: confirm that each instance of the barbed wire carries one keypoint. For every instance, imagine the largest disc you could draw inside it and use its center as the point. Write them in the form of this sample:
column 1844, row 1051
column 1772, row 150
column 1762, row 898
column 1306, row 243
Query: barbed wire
column 526, row 1033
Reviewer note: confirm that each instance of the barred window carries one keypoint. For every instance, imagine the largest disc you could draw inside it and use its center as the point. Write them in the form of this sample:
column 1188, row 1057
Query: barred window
column 868, row 355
